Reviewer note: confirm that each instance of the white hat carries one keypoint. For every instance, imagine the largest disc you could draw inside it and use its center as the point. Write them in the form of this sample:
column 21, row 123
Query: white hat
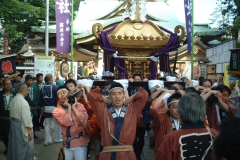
column 155, row 83
column 124, row 82
column 170, row 78
column 87, row 82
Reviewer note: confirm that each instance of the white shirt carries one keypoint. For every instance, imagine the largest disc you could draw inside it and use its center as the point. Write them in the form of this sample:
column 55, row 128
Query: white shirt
column 7, row 98
column 118, row 111
column 19, row 109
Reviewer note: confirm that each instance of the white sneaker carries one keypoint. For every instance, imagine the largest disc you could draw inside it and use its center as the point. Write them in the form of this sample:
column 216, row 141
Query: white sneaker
column 47, row 144
column 35, row 158
column 58, row 141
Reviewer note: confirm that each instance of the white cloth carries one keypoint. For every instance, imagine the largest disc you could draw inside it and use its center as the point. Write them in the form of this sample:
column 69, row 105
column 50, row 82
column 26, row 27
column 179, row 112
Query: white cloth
column 195, row 83
column 158, row 84
column 118, row 111
column 215, row 84
column 165, row 98
column 170, row 78
column 8, row 98
column 19, row 109
column 57, row 131
column 87, row 82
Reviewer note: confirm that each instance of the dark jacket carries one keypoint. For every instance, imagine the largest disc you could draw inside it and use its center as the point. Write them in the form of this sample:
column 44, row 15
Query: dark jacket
column 48, row 97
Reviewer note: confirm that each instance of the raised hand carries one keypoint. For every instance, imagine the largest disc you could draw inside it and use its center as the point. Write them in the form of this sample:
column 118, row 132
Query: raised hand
column 66, row 104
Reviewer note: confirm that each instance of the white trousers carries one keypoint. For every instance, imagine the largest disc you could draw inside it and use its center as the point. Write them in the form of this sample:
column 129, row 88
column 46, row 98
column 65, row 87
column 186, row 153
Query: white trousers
column 77, row 153
column 57, row 130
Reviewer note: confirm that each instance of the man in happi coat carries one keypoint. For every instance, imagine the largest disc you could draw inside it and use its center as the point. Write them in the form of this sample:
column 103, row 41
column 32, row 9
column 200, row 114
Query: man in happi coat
column 32, row 100
column 48, row 100
column 39, row 84
column 218, row 105
column 194, row 140
column 165, row 119
column 21, row 144
column 144, row 121
column 118, row 121
column 6, row 95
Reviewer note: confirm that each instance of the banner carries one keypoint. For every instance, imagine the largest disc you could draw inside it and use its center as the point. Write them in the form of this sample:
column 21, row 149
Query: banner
column 8, row 65
column 5, row 43
column 188, row 17
column 63, row 25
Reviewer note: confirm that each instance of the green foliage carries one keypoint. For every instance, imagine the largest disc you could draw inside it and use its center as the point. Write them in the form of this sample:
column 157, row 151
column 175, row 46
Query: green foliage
column 17, row 16
column 230, row 18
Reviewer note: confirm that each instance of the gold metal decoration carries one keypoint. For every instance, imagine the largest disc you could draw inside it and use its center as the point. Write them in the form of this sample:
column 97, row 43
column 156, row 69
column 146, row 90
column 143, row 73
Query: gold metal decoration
column 179, row 29
column 97, row 29
column 138, row 40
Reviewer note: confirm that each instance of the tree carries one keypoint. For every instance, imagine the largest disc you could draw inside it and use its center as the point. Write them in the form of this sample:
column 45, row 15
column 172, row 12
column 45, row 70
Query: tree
column 229, row 11
column 17, row 16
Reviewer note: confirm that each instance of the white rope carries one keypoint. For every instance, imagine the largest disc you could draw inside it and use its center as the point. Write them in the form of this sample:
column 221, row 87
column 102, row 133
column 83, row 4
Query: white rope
column 153, row 58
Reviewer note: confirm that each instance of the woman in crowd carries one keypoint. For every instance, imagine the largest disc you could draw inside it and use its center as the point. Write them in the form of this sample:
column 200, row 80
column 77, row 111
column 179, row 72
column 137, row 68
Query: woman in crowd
column 73, row 120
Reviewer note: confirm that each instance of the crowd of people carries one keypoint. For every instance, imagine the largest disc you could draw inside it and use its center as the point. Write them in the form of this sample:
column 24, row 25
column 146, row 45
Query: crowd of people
column 198, row 120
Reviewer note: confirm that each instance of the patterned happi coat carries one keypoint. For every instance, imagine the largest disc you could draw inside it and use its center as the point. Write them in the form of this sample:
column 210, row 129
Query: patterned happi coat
column 123, row 127
column 4, row 111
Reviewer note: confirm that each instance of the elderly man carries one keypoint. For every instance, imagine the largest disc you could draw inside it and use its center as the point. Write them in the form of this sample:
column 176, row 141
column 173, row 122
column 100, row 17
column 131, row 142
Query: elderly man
column 118, row 121
column 21, row 144
column 80, row 71
column 193, row 140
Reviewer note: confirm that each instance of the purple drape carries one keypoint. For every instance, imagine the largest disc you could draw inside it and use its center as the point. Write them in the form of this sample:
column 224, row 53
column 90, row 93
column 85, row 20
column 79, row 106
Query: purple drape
column 105, row 44
column 172, row 44
column 108, row 49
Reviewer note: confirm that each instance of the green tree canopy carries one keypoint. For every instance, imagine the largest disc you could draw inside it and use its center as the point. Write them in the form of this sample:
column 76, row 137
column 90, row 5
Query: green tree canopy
column 17, row 16
column 229, row 13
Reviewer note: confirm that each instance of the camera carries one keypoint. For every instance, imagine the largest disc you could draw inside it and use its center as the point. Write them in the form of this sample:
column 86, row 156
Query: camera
column 71, row 96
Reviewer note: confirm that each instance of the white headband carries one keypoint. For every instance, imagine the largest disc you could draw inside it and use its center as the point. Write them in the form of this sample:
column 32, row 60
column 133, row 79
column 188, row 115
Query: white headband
column 172, row 102
column 63, row 89
column 116, row 88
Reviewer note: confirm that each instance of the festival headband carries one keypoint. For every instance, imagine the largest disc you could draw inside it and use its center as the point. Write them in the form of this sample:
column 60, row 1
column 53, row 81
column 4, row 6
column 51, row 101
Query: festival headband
column 63, row 89
column 172, row 102
column 116, row 88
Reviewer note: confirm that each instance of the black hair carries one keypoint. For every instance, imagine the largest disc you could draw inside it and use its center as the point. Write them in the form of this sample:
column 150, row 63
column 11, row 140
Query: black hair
column 172, row 88
column 116, row 84
column 27, row 77
column 137, row 75
column 71, row 81
column 39, row 75
column 227, row 143
column 182, row 78
column 223, row 88
column 19, row 75
column 191, row 89
column 212, row 99
column 48, row 78
column 174, row 96
column 204, row 80
column 62, row 87
column 200, row 78
column 34, row 78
